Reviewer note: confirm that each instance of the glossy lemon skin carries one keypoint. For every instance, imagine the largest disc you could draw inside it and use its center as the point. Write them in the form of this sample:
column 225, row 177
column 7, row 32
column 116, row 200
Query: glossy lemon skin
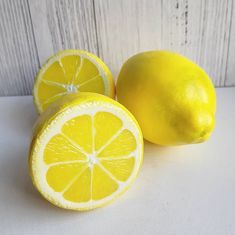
column 172, row 98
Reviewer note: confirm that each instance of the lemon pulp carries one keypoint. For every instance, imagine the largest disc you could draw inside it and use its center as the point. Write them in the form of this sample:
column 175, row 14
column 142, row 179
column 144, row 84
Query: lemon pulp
column 71, row 71
column 86, row 153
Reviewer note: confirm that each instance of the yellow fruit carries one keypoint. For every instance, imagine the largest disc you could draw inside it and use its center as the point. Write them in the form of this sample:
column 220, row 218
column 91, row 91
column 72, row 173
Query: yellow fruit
column 86, row 150
column 172, row 98
column 71, row 71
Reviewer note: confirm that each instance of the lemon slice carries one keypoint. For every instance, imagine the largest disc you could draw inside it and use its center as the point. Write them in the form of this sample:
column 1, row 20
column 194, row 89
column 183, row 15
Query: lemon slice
column 87, row 149
column 70, row 71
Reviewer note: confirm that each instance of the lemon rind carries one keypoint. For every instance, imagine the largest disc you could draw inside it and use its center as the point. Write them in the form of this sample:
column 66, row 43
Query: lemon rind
column 42, row 137
column 101, row 66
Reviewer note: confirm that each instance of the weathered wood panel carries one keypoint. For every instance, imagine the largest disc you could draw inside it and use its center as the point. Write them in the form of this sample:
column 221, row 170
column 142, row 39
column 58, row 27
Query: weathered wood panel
column 18, row 54
column 197, row 29
column 126, row 27
column 63, row 24
column 230, row 65
column 32, row 30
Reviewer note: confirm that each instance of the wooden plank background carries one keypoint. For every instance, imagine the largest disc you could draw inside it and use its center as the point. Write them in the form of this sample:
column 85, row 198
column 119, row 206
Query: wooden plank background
column 32, row 30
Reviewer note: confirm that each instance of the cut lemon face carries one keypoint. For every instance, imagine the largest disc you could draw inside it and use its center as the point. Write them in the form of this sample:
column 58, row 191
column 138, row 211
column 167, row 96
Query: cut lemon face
column 86, row 151
column 71, row 71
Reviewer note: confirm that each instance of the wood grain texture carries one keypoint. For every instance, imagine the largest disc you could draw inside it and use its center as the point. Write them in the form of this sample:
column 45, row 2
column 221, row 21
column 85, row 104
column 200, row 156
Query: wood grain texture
column 63, row 24
column 199, row 30
column 126, row 27
column 18, row 55
column 32, row 30
column 230, row 71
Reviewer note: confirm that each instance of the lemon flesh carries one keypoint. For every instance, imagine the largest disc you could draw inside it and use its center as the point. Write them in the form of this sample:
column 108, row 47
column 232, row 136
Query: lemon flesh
column 71, row 71
column 172, row 98
column 87, row 149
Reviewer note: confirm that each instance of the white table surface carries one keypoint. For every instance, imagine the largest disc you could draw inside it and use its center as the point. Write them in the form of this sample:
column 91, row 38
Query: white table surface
column 180, row 190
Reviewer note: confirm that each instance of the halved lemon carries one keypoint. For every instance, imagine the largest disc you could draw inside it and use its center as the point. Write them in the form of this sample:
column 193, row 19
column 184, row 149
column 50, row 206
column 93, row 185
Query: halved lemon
column 87, row 149
column 71, row 71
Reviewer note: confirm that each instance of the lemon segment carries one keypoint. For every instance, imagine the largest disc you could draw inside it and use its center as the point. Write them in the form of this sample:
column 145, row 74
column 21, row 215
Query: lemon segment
column 79, row 130
column 70, row 65
column 107, row 183
column 71, row 71
column 49, row 92
column 95, row 84
column 87, row 149
column 114, row 165
column 80, row 189
column 60, row 175
column 106, row 125
column 59, row 149
column 124, row 138
column 54, row 74
column 86, row 71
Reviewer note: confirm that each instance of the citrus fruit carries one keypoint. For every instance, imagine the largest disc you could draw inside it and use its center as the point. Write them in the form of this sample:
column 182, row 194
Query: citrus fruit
column 71, row 71
column 86, row 150
column 172, row 98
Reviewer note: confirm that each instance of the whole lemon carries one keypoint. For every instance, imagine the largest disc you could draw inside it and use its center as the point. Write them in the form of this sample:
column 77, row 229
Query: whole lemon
column 172, row 98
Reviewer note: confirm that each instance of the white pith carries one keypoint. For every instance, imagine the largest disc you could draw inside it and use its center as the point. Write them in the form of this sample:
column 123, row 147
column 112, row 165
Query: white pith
column 70, row 88
column 39, row 168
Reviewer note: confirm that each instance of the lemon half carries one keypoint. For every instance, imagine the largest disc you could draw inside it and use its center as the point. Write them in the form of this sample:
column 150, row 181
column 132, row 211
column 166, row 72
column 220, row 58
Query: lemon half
column 71, row 71
column 87, row 149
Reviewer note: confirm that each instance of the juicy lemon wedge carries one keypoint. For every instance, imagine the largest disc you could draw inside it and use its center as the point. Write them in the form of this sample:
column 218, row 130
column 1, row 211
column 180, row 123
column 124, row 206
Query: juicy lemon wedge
column 70, row 71
column 87, row 149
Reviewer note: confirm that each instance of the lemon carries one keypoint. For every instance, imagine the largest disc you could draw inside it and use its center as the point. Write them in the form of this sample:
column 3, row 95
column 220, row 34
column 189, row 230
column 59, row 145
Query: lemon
column 71, row 71
column 87, row 149
column 172, row 98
